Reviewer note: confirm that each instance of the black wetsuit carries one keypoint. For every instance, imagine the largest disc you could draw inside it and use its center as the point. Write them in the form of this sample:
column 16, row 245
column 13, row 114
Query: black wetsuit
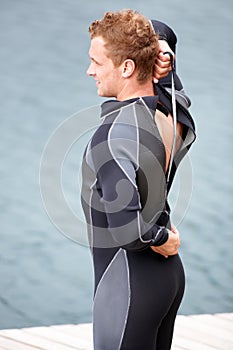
column 137, row 291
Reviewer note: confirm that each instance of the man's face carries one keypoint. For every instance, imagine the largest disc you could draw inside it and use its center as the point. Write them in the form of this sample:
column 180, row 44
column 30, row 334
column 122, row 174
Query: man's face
column 102, row 69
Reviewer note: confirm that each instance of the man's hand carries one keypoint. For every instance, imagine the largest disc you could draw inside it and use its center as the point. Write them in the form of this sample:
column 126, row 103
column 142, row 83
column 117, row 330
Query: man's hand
column 162, row 64
column 171, row 246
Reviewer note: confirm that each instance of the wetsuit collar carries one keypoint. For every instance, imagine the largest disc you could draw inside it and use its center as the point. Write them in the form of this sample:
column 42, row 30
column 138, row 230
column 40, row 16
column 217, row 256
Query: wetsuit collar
column 112, row 105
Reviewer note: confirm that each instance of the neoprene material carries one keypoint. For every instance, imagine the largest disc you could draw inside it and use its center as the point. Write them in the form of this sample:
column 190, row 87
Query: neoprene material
column 124, row 196
column 137, row 292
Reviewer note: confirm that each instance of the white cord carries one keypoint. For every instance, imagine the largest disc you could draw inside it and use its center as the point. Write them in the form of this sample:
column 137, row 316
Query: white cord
column 174, row 120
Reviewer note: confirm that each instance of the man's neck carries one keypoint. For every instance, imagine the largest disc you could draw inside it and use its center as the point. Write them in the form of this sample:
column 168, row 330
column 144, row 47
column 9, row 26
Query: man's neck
column 135, row 90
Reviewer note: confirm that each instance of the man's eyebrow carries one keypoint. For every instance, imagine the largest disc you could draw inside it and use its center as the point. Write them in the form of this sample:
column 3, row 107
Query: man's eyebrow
column 94, row 60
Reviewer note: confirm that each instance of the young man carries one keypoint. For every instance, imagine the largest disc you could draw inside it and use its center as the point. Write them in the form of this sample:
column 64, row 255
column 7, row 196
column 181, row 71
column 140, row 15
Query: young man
column 139, row 278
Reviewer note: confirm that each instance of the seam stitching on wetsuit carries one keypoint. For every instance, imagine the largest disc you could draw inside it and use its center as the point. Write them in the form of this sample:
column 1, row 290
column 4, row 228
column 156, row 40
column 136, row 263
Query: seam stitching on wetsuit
column 137, row 135
column 89, row 159
column 129, row 298
column 114, row 111
column 147, row 108
column 90, row 215
column 90, row 199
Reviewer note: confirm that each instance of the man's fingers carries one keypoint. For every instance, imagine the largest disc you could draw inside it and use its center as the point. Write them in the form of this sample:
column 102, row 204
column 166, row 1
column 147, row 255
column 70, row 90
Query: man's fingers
column 162, row 66
column 163, row 57
column 174, row 230
column 163, row 61
column 164, row 252
column 160, row 72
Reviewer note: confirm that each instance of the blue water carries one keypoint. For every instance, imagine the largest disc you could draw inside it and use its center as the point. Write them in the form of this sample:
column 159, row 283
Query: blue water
column 46, row 278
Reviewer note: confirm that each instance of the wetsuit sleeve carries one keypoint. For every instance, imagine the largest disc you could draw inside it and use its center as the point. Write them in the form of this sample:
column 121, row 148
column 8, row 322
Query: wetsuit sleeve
column 165, row 33
column 116, row 182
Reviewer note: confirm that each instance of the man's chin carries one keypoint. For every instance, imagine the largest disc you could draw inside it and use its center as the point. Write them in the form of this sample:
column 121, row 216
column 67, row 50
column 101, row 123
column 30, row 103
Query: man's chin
column 100, row 92
column 104, row 94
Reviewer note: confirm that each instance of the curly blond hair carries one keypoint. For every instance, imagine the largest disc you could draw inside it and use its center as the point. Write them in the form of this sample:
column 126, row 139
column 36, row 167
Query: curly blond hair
column 128, row 35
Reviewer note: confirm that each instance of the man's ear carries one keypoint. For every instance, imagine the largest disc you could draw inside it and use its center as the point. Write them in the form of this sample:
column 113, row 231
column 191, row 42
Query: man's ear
column 128, row 68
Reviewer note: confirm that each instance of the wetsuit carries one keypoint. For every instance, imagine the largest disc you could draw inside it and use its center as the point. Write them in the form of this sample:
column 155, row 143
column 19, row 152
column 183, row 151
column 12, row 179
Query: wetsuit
column 124, row 197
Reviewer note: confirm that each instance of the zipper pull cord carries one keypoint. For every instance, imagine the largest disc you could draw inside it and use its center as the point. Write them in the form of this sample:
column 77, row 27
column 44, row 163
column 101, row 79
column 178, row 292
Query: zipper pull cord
column 174, row 115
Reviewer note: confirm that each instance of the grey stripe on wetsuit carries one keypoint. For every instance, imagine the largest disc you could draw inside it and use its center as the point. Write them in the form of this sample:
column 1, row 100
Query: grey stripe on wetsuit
column 115, row 278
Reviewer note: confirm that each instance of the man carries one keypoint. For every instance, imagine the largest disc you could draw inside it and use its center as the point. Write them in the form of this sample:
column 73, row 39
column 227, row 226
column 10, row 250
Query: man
column 139, row 278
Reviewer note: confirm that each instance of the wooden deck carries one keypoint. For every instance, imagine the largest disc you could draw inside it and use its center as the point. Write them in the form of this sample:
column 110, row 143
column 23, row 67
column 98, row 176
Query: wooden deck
column 195, row 332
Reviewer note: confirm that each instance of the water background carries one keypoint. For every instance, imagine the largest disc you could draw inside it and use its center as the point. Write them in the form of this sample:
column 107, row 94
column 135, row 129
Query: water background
column 45, row 278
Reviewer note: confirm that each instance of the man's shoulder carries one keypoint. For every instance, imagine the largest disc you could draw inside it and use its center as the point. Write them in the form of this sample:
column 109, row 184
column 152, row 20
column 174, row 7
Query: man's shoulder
column 114, row 107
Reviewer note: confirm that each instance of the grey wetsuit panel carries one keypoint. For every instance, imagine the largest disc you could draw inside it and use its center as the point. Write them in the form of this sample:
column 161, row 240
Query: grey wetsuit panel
column 113, row 296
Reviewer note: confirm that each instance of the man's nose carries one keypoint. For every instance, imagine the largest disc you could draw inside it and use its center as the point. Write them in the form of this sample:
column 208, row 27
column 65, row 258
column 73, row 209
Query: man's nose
column 90, row 70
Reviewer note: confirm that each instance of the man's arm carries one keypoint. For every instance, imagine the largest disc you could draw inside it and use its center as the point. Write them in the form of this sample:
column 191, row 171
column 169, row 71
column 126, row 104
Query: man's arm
column 116, row 166
column 167, row 41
